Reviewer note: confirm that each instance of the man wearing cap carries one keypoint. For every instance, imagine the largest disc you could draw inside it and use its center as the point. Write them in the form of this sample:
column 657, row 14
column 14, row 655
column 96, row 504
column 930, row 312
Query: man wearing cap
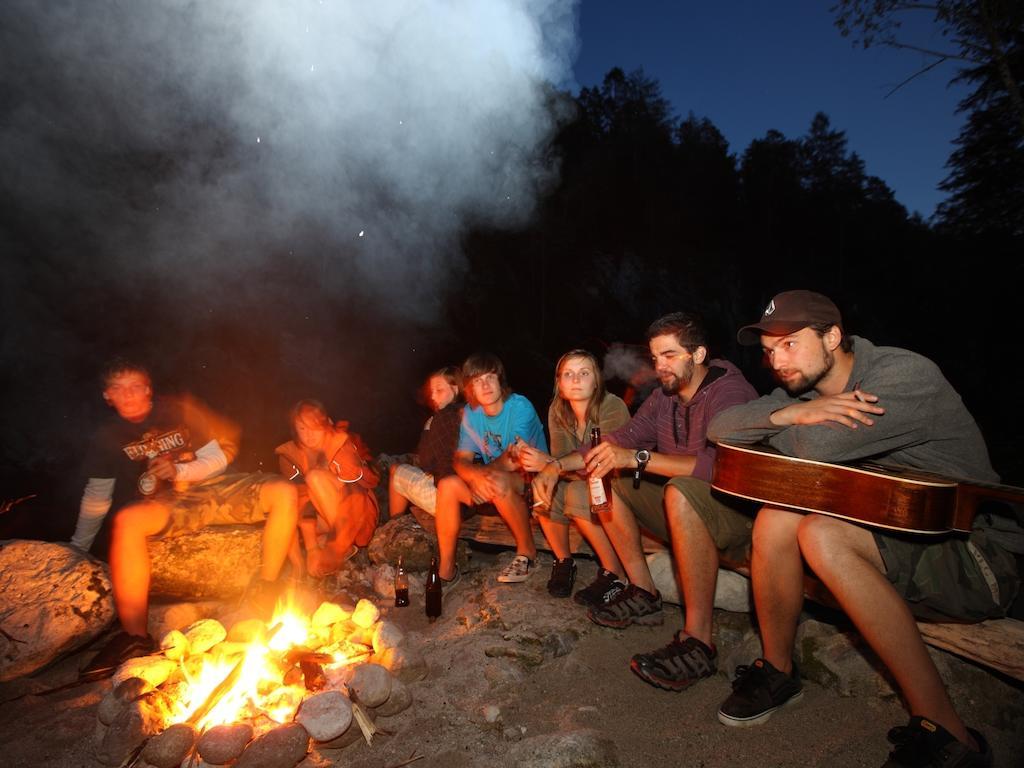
column 844, row 399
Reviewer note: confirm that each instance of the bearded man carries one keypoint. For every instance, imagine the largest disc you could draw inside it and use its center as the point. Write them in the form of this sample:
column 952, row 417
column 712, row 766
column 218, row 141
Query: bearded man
column 843, row 399
column 665, row 490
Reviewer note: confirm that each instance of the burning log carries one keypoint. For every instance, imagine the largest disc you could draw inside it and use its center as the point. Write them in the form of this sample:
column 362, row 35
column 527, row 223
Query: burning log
column 224, row 686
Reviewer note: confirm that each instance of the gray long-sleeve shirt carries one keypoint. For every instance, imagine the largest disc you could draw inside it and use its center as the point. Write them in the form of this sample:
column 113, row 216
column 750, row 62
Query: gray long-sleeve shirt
column 925, row 425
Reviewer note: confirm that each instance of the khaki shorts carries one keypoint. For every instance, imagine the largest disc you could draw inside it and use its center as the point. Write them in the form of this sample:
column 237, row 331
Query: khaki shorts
column 232, row 499
column 956, row 578
column 729, row 520
column 571, row 499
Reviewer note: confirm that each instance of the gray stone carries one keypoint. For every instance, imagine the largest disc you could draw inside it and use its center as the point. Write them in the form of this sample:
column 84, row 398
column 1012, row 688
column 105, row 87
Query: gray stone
column 399, row 700
column 732, row 590
column 572, row 749
column 168, row 749
column 53, row 599
column 402, row 537
column 325, row 715
column 223, row 743
column 119, row 697
column 352, row 734
column 213, row 562
column 133, row 725
column 282, row 747
column 839, row 660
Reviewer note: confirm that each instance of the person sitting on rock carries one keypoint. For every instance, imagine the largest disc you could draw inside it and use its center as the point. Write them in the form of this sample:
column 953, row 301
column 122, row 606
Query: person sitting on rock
column 417, row 482
column 332, row 470
column 160, row 464
column 579, row 404
column 487, row 466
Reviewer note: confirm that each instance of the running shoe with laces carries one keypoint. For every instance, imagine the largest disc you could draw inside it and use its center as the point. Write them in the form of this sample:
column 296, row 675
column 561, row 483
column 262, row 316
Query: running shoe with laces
column 757, row 691
column 516, row 571
column 119, row 649
column 563, row 577
column 606, row 586
column 678, row 665
column 924, row 744
column 632, row 605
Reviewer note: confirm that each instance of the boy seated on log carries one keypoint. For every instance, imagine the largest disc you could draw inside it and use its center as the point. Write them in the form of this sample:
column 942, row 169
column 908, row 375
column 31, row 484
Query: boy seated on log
column 160, row 465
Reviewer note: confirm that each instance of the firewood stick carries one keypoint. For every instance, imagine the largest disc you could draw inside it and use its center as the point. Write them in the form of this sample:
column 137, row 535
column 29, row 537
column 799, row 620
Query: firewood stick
column 224, row 685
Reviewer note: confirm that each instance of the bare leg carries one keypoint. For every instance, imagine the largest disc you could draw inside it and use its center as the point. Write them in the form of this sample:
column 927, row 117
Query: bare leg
column 451, row 492
column 281, row 501
column 397, row 503
column 696, row 561
column 776, row 572
column 846, row 558
column 129, row 562
column 557, row 534
column 624, row 534
column 512, row 507
column 601, row 544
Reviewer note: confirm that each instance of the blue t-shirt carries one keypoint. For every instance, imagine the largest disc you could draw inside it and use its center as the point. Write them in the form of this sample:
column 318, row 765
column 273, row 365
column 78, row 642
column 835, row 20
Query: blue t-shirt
column 487, row 437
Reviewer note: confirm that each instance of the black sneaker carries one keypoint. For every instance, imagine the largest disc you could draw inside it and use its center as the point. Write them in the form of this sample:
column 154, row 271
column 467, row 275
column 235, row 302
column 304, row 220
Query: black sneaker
column 604, row 588
column 924, row 743
column 630, row 606
column 449, row 584
column 758, row 690
column 119, row 649
column 563, row 577
column 678, row 665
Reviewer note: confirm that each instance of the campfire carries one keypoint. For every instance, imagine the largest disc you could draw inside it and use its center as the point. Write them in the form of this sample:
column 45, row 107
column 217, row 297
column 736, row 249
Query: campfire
column 213, row 695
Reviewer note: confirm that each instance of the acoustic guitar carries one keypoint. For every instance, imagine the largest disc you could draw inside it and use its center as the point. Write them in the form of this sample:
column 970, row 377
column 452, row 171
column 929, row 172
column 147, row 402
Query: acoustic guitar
column 885, row 497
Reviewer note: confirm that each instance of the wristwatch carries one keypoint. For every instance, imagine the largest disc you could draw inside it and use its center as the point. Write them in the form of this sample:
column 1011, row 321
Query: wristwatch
column 642, row 457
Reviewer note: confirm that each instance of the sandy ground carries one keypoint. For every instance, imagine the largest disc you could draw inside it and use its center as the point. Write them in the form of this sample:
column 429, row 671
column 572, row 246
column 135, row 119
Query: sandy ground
column 493, row 648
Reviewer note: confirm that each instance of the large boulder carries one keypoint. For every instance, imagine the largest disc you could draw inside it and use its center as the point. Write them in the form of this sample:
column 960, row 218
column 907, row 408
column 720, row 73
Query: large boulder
column 213, row 562
column 53, row 599
column 402, row 537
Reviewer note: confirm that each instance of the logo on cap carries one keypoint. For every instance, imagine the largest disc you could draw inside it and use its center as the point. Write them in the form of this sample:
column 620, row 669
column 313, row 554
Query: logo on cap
column 770, row 309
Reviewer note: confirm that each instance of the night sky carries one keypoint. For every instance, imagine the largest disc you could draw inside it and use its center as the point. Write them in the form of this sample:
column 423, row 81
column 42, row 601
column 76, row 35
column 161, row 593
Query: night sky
column 750, row 66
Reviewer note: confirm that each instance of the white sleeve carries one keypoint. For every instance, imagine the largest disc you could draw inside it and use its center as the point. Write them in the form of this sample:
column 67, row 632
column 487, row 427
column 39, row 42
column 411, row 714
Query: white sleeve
column 209, row 461
column 96, row 501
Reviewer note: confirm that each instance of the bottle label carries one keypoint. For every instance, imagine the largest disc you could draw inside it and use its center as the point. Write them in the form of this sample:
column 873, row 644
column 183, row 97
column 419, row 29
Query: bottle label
column 597, row 495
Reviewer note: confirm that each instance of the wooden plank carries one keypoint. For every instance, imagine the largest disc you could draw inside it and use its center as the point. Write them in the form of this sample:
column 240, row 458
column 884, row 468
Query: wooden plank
column 996, row 643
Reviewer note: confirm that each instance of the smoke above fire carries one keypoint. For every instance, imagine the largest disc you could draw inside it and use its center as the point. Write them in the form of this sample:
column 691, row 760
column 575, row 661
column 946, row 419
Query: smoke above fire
column 188, row 140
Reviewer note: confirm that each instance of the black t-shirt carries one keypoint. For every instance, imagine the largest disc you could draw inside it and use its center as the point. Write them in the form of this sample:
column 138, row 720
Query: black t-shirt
column 121, row 449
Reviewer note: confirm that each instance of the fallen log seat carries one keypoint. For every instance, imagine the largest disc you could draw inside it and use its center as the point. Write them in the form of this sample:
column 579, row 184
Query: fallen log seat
column 996, row 644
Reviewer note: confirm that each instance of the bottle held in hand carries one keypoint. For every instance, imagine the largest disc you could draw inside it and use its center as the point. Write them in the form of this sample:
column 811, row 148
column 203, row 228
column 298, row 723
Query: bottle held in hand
column 600, row 487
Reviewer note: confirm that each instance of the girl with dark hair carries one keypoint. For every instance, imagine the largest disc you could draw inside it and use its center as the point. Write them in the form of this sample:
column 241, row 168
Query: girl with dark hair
column 332, row 468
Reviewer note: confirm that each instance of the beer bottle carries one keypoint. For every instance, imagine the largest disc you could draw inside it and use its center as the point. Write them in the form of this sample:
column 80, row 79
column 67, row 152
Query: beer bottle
column 600, row 487
column 401, row 585
column 433, row 591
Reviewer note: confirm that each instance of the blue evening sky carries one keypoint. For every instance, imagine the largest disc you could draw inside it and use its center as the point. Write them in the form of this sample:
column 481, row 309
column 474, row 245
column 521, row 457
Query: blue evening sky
column 750, row 66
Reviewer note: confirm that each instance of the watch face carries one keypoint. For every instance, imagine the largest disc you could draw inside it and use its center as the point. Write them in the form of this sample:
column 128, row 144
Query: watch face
column 643, row 456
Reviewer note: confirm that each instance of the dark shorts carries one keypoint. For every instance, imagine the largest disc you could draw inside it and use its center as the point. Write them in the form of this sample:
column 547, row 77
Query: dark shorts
column 729, row 520
column 956, row 578
column 232, row 499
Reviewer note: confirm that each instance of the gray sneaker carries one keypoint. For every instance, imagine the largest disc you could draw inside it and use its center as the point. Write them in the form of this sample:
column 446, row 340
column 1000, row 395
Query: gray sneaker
column 516, row 571
column 630, row 606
